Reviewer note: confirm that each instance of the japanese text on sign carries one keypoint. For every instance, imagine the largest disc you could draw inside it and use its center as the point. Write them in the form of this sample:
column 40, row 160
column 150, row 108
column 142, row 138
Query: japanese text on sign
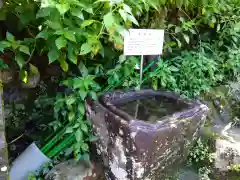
column 143, row 42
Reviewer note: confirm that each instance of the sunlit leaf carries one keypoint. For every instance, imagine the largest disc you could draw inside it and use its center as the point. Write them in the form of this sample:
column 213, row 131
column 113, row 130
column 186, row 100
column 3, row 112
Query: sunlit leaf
column 132, row 19
column 24, row 49
column 62, row 8
column 71, row 116
column 179, row 43
column 69, row 130
column 81, row 109
column 79, row 135
column 70, row 100
column 61, row 42
column 84, row 127
column 78, row 13
column 86, row 48
column 64, row 65
column 87, row 23
column 23, row 76
column 70, row 36
column 178, row 29
column 33, row 69
column 123, row 14
column 186, row 37
column 84, row 147
column 127, row 9
column 108, row 20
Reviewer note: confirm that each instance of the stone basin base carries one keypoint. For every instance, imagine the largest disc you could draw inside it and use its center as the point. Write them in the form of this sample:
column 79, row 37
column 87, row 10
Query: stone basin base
column 136, row 149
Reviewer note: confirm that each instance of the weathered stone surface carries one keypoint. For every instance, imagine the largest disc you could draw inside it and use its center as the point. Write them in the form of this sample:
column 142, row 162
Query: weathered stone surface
column 225, row 106
column 6, row 76
column 134, row 149
column 187, row 174
column 72, row 170
column 3, row 146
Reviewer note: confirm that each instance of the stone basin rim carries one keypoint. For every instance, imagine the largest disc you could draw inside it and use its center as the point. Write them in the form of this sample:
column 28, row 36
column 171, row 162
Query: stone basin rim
column 193, row 107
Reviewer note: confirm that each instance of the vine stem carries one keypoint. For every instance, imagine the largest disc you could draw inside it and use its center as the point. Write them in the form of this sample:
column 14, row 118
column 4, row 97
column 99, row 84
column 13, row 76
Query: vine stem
column 30, row 57
column 16, row 139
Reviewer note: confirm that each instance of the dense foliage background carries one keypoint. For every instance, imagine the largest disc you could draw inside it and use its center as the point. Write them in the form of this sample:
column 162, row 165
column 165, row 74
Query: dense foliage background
column 85, row 39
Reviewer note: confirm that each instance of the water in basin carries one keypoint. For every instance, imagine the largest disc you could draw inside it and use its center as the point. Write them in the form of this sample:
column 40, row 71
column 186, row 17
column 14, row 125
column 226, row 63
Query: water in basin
column 152, row 108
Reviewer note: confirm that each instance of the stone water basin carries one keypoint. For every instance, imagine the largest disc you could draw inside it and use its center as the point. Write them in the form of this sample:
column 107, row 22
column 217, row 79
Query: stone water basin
column 143, row 133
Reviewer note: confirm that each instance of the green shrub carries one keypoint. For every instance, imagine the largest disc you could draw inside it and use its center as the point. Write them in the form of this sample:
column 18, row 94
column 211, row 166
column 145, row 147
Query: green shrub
column 201, row 49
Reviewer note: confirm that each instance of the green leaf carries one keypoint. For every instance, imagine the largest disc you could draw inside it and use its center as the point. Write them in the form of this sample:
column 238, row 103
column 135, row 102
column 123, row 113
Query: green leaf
column 10, row 37
column 71, row 54
column 218, row 27
column 85, row 48
column 179, row 3
column 127, row 9
column 84, row 147
column 24, row 49
column 87, row 23
column 44, row 12
column 23, row 76
column 81, row 109
column 56, row 25
column 84, row 127
column 20, row 60
column 53, row 55
column 83, row 94
column 70, row 100
column 173, row 68
column 71, row 116
column 61, row 42
column 70, row 35
column 33, row 69
column 76, row 125
column 179, row 43
column 59, row 32
column 77, row 12
column 2, row 46
column 93, row 95
column 186, row 37
column 79, row 135
column 69, row 130
column 108, row 20
column 43, row 34
column 62, row 8
column 63, row 64
column 93, row 138
column 78, row 83
column 132, row 19
column 178, row 29
column 123, row 14
column 82, row 68
column 89, row 10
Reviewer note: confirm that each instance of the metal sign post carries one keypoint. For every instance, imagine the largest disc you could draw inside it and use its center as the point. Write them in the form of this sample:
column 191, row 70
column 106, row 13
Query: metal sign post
column 143, row 42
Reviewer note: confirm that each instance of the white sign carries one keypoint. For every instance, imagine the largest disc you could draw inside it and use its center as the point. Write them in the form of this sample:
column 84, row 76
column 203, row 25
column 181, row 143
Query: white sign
column 143, row 42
